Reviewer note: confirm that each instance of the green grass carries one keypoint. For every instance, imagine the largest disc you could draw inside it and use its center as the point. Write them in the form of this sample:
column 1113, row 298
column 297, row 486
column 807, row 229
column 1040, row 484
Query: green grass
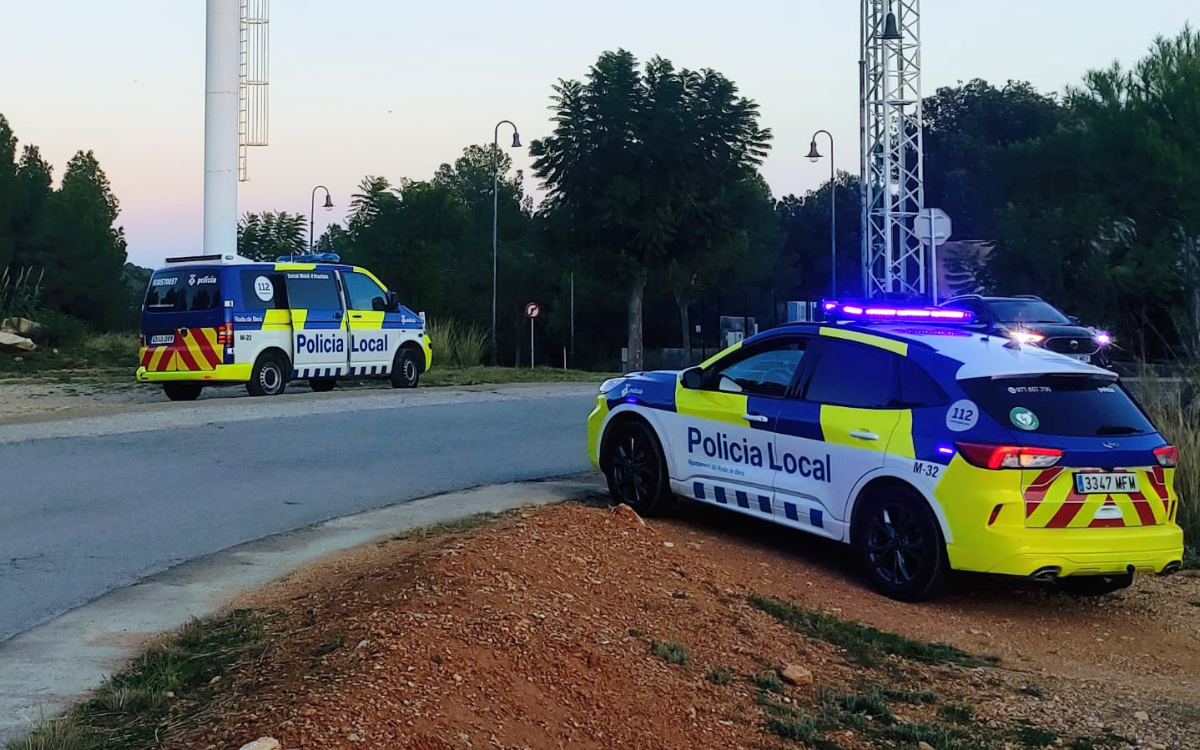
column 767, row 681
column 672, row 653
column 453, row 526
column 957, row 714
column 719, row 675
column 863, row 644
column 166, row 687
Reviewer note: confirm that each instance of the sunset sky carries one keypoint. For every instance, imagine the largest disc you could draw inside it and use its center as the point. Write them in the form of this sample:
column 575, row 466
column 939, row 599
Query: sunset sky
column 397, row 88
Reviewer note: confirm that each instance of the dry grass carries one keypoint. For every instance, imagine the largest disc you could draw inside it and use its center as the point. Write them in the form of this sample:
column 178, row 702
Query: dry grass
column 1174, row 407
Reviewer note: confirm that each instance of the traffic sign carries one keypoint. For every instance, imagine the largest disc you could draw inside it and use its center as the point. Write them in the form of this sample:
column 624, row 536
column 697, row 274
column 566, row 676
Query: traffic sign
column 532, row 310
column 933, row 226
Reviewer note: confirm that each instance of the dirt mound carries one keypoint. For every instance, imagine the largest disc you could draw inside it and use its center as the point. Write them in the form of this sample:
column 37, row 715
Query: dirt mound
column 582, row 627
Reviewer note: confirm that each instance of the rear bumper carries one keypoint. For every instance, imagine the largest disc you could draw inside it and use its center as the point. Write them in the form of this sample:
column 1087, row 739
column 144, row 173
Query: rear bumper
column 1021, row 552
column 219, row 374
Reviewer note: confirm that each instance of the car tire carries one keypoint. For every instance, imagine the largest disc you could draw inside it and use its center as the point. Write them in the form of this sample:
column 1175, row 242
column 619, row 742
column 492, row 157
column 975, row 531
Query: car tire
column 1094, row 585
column 637, row 470
column 182, row 391
column 322, row 385
column 900, row 544
column 269, row 376
column 406, row 373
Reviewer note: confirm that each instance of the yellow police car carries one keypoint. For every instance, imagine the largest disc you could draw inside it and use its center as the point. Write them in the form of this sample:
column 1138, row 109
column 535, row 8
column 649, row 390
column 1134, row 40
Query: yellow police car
column 213, row 319
column 925, row 443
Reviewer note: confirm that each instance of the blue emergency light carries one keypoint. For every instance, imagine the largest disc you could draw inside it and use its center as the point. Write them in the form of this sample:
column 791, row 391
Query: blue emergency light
column 310, row 258
column 884, row 312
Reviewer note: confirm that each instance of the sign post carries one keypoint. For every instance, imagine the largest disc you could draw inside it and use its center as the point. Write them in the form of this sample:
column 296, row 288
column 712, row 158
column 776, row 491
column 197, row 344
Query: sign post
column 532, row 310
column 933, row 227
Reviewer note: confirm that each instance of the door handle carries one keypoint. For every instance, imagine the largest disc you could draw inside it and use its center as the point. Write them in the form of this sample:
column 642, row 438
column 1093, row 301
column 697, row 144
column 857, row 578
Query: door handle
column 863, row 435
column 756, row 418
column 356, row 316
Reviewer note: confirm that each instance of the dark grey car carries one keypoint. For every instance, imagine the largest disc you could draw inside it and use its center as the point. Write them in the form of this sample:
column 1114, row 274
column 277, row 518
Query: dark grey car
column 1033, row 321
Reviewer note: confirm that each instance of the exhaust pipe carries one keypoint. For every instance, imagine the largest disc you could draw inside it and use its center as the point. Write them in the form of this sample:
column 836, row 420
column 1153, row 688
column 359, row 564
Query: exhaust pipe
column 1046, row 574
column 1171, row 568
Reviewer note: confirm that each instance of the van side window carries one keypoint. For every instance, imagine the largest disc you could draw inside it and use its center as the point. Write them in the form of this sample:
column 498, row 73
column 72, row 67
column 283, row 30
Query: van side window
column 361, row 291
column 917, row 389
column 313, row 290
column 263, row 290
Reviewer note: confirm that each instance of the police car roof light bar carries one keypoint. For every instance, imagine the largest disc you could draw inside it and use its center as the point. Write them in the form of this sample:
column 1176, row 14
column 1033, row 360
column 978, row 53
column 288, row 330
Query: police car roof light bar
column 872, row 311
column 310, row 258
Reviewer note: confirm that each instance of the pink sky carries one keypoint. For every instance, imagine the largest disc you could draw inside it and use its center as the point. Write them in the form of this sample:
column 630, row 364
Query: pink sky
column 396, row 88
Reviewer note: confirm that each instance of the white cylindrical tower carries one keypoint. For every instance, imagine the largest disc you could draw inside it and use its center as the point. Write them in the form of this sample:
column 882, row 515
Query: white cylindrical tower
column 221, row 78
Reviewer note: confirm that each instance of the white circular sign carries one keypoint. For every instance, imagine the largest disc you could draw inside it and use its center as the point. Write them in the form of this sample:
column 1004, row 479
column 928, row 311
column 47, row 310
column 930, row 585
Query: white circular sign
column 963, row 415
column 264, row 289
column 532, row 310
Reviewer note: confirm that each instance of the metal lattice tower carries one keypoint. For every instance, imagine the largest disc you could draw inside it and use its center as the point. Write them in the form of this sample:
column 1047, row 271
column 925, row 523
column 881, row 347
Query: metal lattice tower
column 253, row 99
column 893, row 173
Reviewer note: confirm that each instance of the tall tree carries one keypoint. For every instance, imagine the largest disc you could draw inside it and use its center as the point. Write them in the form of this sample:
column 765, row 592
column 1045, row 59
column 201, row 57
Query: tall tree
column 34, row 187
column 9, row 190
column 271, row 234
column 84, row 256
column 632, row 156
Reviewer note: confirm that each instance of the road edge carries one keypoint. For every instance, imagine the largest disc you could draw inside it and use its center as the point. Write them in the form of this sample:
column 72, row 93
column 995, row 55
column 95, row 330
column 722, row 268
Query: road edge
column 49, row 667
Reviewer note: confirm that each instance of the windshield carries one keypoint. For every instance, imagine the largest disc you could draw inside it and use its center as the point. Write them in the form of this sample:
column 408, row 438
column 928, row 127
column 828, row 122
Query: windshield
column 1026, row 311
column 183, row 290
column 1074, row 405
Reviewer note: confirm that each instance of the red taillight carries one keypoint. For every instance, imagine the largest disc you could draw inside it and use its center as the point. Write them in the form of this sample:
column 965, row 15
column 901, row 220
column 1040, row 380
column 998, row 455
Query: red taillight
column 1168, row 456
column 988, row 456
column 225, row 334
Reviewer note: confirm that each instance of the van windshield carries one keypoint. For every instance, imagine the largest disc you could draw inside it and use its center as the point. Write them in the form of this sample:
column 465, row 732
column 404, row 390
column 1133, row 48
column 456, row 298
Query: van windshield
column 1073, row 405
column 183, row 290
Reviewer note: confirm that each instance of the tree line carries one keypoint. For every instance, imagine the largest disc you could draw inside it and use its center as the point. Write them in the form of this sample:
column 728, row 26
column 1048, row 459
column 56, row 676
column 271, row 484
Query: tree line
column 656, row 220
column 62, row 241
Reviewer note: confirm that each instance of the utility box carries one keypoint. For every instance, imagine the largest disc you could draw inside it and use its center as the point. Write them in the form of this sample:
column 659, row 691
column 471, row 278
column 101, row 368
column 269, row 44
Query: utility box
column 801, row 311
column 736, row 328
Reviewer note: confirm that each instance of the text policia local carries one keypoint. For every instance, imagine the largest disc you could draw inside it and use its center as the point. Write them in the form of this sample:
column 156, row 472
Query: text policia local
column 722, row 447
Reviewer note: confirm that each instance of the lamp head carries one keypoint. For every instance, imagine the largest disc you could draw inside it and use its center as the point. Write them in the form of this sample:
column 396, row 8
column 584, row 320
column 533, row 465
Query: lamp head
column 813, row 153
column 328, row 202
column 516, row 139
column 891, row 29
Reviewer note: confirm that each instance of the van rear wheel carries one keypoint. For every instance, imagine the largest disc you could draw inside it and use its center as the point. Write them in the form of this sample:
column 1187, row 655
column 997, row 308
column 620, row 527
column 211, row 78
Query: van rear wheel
column 269, row 376
column 182, row 391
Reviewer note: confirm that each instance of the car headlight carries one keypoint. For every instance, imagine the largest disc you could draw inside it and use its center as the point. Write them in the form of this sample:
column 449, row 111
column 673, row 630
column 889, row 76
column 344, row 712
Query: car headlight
column 1025, row 337
column 609, row 384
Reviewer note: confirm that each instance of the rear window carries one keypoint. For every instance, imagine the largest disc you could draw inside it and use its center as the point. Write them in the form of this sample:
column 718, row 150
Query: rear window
column 1073, row 405
column 183, row 290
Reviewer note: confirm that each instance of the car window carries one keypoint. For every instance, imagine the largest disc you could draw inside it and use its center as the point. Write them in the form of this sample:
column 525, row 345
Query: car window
column 917, row 388
column 1073, row 405
column 313, row 290
column 361, row 290
column 183, row 290
column 856, row 375
column 263, row 290
column 763, row 372
column 1026, row 311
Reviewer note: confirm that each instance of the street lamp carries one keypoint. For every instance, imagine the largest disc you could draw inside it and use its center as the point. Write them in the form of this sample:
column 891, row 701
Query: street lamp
column 814, row 155
column 312, row 209
column 496, row 213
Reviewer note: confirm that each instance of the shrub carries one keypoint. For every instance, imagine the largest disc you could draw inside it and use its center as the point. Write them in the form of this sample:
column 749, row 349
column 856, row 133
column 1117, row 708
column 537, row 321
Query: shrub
column 58, row 329
column 20, row 294
column 457, row 344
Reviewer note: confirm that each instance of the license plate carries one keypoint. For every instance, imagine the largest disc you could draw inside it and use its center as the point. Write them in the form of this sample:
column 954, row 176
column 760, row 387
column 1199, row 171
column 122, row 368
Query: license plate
column 1096, row 483
column 166, row 338
column 1081, row 357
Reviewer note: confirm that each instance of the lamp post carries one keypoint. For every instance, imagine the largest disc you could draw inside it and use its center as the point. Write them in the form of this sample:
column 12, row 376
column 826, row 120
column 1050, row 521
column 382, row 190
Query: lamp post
column 496, row 213
column 312, row 209
column 813, row 156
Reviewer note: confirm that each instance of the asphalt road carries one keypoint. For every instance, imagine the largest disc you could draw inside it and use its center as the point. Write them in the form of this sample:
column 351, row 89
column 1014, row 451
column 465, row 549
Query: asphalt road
column 94, row 504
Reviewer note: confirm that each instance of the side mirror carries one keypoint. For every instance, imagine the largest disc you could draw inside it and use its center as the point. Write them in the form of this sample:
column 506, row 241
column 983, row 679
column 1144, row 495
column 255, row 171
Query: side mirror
column 378, row 304
column 1074, row 319
column 692, row 378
